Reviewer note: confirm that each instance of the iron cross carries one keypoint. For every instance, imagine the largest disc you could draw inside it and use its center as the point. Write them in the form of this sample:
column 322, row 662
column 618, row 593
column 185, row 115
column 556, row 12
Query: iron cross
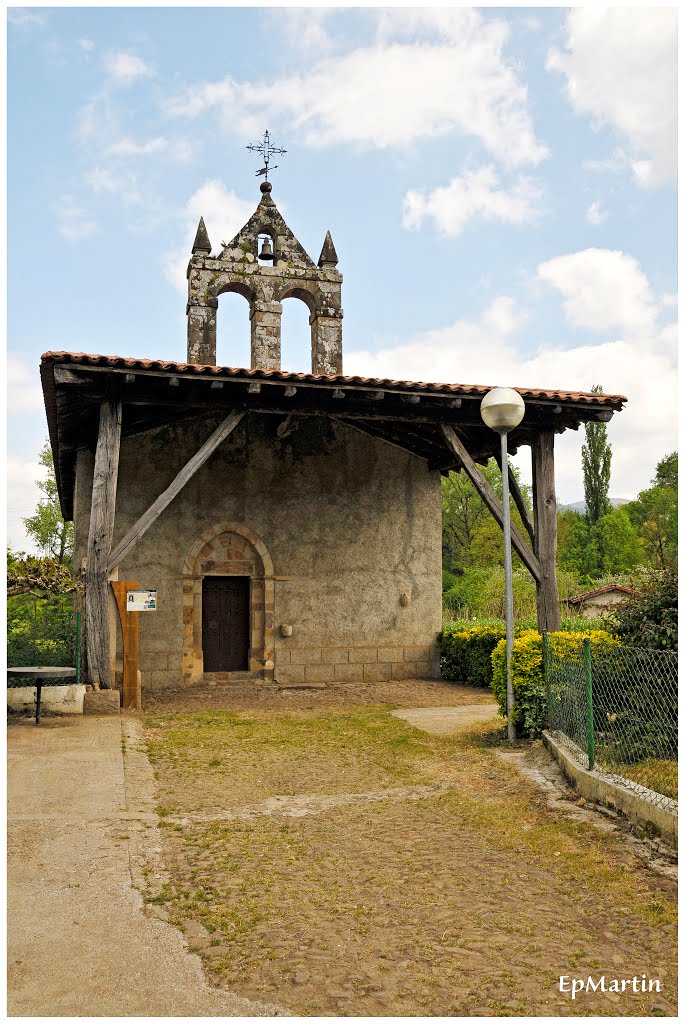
column 267, row 150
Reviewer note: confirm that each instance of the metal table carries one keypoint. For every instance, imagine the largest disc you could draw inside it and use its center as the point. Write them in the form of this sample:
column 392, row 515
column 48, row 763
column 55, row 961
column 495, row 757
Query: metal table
column 41, row 674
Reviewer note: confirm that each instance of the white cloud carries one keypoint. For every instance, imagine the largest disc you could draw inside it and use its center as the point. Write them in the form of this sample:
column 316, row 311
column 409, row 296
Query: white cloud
column 304, row 29
column 476, row 193
column 18, row 16
column 393, row 94
column 127, row 147
column 620, row 66
column 177, row 149
column 531, row 24
column 74, row 222
column 486, row 351
column 24, row 392
column 224, row 214
column 98, row 122
column 86, row 44
column 22, row 497
column 118, row 182
column 459, row 352
column 602, row 289
column 126, row 67
column 595, row 213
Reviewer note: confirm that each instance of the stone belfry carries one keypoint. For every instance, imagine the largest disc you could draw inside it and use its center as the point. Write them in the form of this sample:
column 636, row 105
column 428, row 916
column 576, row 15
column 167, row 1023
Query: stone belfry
column 266, row 264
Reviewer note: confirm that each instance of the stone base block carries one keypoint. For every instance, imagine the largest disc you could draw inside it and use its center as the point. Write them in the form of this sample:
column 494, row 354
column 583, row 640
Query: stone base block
column 102, row 702
column 57, row 700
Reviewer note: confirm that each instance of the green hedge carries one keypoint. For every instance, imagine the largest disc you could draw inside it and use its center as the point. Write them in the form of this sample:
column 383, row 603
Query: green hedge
column 528, row 681
column 466, row 654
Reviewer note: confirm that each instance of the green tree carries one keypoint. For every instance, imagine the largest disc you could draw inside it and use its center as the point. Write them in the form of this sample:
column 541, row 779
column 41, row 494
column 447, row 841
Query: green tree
column 650, row 616
column 655, row 514
column 576, row 547
column 667, row 472
column 618, row 543
column 52, row 534
column 596, row 456
column 471, row 537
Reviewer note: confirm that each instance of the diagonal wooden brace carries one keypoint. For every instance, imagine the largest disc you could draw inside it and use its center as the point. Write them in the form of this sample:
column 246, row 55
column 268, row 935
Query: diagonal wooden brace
column 166, row 497
column 491, row 501
column 515, row 492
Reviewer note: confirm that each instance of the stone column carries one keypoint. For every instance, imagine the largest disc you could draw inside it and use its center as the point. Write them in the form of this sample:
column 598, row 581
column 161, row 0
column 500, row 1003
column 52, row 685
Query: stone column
column 265, row 335
column 326, row 327
column 202, row 332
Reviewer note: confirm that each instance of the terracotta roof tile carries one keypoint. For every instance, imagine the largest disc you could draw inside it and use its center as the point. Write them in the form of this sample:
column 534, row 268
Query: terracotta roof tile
column 121, row 362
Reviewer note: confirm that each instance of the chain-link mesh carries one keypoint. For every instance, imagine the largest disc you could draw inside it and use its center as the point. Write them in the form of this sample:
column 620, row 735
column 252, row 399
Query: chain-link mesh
column 617, row 706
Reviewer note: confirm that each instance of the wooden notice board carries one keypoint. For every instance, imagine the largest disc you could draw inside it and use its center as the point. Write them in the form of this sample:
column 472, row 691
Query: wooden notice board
column 131, row 696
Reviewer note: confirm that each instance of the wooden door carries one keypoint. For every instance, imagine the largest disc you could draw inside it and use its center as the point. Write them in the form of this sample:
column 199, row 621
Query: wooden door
column 225, row 623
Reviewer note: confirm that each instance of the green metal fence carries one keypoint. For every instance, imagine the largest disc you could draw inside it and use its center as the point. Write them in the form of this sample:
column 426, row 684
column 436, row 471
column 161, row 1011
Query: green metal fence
column 618, row 707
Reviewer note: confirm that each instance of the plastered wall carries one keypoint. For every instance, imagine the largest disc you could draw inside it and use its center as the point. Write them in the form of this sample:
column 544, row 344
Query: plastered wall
column 341, row 531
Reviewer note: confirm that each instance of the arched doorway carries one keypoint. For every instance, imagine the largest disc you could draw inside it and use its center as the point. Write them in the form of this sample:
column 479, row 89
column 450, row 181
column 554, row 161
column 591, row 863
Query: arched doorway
column 228, row 606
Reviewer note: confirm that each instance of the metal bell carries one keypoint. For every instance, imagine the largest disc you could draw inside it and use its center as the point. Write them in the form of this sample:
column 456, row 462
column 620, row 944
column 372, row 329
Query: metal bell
column 267, row 252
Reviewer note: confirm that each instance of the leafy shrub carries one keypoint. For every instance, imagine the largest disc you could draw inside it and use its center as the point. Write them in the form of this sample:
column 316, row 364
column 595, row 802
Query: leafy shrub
column 40, row 630
column 635, row 702
column 448, row 580
column 649, row 618
column 480, row 591
column 465, row 654
column 528, row 679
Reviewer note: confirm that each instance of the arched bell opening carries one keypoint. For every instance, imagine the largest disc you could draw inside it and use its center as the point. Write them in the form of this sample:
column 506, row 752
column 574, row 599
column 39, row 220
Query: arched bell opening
column 295, row 335
column 232, row 315
column 266, row 249
column 233, row 330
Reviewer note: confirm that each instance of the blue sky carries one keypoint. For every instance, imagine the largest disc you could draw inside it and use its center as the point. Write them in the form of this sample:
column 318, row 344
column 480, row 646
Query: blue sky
column 499, row 184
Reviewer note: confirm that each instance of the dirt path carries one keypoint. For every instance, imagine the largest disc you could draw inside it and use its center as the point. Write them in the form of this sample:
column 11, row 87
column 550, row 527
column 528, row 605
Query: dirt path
column 344, row 862
column 79, row 941
column 448, row 721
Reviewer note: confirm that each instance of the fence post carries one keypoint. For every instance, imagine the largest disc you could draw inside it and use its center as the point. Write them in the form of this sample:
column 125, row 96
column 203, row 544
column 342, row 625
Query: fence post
column 78, row 647
column 587, row 655
column 546, row 673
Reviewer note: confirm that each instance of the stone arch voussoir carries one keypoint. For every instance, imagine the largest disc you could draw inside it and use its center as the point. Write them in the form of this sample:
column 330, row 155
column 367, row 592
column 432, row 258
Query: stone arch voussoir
column 305, row 292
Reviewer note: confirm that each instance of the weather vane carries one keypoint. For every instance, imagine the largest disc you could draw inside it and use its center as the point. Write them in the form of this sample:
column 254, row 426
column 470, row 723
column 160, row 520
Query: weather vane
column 267, row 151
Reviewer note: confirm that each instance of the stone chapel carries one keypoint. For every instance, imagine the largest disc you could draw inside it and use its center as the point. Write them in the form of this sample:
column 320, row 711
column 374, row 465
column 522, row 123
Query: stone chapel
column 290, row 523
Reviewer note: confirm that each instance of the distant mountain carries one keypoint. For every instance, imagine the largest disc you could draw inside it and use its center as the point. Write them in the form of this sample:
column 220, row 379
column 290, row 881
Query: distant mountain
column 579, row 506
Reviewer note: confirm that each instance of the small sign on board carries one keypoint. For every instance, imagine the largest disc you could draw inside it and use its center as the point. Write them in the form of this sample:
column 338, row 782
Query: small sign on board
column 141, row 600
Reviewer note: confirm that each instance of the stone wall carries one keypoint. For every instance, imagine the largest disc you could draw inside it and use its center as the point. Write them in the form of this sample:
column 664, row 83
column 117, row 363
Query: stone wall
column 342, row 538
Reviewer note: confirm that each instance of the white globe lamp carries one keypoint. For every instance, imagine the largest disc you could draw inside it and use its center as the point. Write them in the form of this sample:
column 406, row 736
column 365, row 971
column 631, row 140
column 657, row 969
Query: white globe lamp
column 502, row 409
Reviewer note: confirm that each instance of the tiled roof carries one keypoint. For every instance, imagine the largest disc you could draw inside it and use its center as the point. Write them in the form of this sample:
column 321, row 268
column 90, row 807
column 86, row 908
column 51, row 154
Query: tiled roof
column 612, row 588
column 120, row 362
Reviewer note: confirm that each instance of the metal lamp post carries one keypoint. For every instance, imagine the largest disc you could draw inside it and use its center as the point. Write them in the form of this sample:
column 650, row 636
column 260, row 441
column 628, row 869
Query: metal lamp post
column 502, row 409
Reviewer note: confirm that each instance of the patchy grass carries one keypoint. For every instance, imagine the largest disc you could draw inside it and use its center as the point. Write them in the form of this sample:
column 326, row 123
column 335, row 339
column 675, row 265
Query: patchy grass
column 472, row 900
column 240, row 758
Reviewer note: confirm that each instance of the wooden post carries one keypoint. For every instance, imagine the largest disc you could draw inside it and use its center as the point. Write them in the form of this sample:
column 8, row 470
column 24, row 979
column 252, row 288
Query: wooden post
column 166, row 497
column 491, row 501
column 130, row 696
column 102, row 508
column 545, row 515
